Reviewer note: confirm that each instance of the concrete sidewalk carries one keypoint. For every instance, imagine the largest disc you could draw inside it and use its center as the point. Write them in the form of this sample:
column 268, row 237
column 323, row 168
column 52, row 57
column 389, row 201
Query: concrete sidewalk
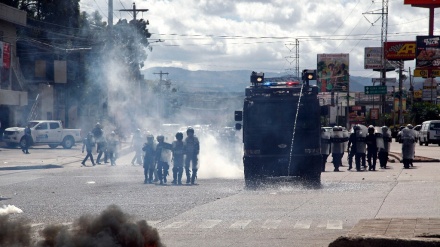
column 392, row 232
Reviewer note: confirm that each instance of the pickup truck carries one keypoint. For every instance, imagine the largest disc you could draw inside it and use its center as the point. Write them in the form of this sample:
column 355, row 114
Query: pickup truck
column 44, row 132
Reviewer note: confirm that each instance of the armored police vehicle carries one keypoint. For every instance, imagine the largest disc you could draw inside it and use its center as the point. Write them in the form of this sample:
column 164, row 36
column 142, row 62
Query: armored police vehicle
column 281, row 130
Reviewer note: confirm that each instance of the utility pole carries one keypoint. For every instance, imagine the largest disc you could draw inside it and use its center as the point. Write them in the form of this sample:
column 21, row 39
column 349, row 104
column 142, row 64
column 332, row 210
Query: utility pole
column 161, row 102
column 383, row 39
column 294, row 58
column 110, row 13
column 134, row 10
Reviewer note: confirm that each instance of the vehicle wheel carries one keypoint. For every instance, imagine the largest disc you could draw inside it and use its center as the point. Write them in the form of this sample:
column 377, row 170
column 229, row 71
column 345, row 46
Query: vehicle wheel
column 53, row 145
column 11, row 145
column 252, row 178
column 68, row 142
column 312, row 178
column 426, row 143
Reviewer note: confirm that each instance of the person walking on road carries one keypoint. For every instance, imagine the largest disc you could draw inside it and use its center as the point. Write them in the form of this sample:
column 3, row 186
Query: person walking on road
column 163, row 158
column 88, row 144
column 371, row 148
column 178, row 155
column 28, row 139
column 149, row 159
column 136, row 145
column 112, row 148
column 384, row 152
column 192, row 148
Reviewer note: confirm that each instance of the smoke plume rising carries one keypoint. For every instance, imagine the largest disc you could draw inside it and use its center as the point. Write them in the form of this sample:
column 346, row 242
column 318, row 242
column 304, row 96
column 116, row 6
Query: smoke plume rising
column 111, row 228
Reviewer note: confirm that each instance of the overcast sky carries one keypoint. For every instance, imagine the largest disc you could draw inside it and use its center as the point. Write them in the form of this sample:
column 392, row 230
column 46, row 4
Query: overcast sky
column 260, row 34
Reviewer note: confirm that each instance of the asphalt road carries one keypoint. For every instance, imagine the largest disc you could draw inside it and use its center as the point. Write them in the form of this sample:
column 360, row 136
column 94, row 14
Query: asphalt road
column 50, row 187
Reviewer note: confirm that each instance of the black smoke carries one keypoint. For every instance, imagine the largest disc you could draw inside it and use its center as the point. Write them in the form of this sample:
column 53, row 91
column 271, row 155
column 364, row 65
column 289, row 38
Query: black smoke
column 111, row 228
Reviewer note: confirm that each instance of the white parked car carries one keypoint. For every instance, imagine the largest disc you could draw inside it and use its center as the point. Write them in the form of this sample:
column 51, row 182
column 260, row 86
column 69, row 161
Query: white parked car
column 43, row 132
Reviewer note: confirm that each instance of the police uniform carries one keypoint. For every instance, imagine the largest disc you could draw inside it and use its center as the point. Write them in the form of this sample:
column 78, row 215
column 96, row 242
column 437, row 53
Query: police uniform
column 192, row 148
column 178, row 158
column 163, row 157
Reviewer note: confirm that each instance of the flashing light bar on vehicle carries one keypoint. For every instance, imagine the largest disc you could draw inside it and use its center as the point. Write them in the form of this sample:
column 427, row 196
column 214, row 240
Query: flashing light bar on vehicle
column 285, row 83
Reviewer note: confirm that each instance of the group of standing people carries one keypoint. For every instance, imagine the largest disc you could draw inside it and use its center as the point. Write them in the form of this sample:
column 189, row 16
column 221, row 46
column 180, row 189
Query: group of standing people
column 365, row 145
column 157, row 157
column 106, row 146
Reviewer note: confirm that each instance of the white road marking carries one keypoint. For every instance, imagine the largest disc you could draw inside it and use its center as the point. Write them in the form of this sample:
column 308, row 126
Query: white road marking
column 334, row 224
column 240, row 224
column 209, row 223
column 37, row 224
column 271, row 224
column 303, row 224
column 177, row 224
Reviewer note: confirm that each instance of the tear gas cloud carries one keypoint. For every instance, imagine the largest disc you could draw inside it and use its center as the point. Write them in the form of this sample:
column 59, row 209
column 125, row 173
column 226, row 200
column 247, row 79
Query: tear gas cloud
column 112, row 227
column 147, row 105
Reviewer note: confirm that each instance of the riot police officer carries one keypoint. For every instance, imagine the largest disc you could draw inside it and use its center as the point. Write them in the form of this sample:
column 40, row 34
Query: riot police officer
column 192, row 148
column 352, row 143
column 88, row 143
column 163, row 157
column 361, row 147
column 408, row 140
column 112, row 148
column 178, row 154
column 325, row 147
column 337, row 146
column 98, row 135
column 371, row 142
column 385, row 149
column 136, row 144
column 149, row 159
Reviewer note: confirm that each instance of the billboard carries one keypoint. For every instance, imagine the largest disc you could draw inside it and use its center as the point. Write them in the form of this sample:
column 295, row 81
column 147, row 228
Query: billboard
column 5, row 55
column 333, row 72
column 428, row 52
column 400, row 50
column 373, row 58
column 422, row 2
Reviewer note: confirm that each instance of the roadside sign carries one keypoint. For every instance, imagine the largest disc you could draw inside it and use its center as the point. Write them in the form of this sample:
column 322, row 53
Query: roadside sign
column 375, row 90
column 424, row 73
column 387, row 81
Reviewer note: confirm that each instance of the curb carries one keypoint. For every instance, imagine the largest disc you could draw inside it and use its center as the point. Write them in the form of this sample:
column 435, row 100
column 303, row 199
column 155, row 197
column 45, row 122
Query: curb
column 368, row 241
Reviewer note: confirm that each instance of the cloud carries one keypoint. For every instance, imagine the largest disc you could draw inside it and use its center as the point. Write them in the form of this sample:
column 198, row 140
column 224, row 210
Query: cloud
column 252, row 35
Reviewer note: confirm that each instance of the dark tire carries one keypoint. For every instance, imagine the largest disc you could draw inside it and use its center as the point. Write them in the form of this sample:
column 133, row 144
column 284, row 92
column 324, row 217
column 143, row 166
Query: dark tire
column 68, row 142
column 11, row 145
column 252, row 176
column 426, row 143
column 53, row 145
column 312, row 178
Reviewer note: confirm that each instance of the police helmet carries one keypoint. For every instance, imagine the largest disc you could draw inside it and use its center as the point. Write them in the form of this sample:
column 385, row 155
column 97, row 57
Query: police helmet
column 409, row 126
column 179, row 136
column 384, row 128
column 371, row 129
column 190, row 130
column 160, row 138
column 356, row 127
column 150, row 137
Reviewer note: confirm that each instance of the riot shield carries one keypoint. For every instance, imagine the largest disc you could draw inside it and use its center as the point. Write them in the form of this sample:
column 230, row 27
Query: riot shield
column 325, row 142
column 387, row 138
column 337, row 141
column 346, row 135
column 408, row 137
column 361, row 145
column 379, row 138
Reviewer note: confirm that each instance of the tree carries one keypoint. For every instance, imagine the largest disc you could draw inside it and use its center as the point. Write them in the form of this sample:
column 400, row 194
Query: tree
column 423, row 111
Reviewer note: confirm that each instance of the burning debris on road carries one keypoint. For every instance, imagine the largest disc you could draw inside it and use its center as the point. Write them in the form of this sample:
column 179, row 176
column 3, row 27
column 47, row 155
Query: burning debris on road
column 110, row 228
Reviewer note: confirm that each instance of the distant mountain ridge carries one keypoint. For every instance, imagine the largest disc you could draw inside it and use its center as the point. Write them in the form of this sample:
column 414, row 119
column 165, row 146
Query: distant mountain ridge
column 235, row 80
